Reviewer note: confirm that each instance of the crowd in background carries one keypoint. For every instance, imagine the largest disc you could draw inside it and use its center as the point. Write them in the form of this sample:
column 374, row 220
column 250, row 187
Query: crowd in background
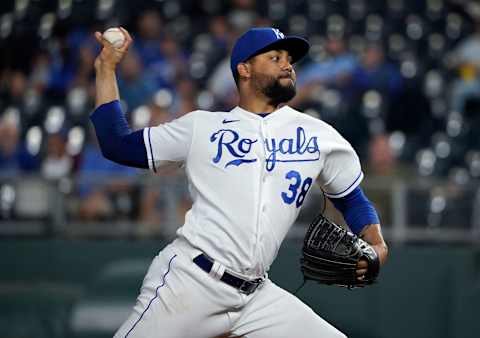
column 400, row 79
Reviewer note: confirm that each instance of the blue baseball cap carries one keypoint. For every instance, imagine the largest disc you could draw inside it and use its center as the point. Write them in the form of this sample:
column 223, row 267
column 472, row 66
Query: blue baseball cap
column 260, row 40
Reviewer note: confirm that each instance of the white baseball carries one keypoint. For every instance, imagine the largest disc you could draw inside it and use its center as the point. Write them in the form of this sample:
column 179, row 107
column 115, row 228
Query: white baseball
column 114, row 36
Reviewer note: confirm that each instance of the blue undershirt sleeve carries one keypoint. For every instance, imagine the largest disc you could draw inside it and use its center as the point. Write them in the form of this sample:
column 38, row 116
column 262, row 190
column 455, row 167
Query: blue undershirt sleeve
column 117, row 141
column 356, row 210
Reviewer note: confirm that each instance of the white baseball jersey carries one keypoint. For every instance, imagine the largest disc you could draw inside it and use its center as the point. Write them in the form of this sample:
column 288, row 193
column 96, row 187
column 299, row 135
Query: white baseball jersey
column 249, row 175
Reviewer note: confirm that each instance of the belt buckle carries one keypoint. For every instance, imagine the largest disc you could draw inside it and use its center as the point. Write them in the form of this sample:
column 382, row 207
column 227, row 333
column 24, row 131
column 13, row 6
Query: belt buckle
column 248, row 287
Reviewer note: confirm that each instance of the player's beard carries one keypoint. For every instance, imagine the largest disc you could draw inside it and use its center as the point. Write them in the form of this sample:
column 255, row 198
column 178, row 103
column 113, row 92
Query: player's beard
column 271, row 87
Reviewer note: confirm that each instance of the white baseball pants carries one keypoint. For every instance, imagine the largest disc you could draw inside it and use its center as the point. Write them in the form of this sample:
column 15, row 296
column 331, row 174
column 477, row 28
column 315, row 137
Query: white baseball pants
column 180, row 300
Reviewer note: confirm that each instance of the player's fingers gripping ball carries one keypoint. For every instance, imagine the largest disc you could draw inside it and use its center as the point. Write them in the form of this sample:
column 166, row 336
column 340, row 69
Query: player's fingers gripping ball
column 114, row 36
column 331, row 256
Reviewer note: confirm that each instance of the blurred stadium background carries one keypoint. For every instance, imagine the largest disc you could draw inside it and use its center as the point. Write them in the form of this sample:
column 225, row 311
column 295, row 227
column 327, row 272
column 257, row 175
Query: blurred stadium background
column 400, row 79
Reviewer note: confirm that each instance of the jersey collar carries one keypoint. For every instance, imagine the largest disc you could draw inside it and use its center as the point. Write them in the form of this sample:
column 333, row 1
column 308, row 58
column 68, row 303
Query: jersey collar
column 253, row 116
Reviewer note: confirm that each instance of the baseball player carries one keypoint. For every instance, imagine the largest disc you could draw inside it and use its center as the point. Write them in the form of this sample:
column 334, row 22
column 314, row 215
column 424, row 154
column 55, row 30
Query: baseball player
column 249, row 170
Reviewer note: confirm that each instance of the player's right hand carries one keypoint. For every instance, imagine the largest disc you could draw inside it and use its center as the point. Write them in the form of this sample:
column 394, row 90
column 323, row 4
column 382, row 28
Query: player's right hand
column 110, row 56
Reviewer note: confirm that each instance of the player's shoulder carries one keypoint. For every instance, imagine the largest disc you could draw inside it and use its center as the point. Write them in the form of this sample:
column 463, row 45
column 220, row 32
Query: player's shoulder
column 205, row 114
column 310, row 120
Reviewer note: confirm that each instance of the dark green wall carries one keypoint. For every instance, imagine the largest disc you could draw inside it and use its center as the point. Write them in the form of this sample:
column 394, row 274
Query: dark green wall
column 424, row 291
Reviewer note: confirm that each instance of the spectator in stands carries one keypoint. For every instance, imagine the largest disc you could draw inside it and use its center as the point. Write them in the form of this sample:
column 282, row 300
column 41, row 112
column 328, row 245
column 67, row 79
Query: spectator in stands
column 14, row 156
column 136, row 86
column 147, row 41
column 375, row 73
column 172, row 64
column 14, row 88
column 57, row 163
column 333, row 72
column 465, row 58
column 100, row 183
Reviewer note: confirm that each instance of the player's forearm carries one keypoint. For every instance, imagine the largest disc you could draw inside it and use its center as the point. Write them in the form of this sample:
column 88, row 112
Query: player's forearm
column 105, row 83
column 372, row 234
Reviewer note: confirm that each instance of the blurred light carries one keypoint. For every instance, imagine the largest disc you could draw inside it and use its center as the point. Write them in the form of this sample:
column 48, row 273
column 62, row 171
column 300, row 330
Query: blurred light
column 335, row 26
column 198, row 66
column 317, row 48
column 6, row 25
column 434, row 9
column 64, row 9
column 426, row 161
column 408, row 68
column 277, row 9
column 141, row 117
column 473, row 9
column 331, row 99
column 21, row 7
column 171, row 9
column 203, row 44
column 356, row 9
column 454, row 25
column 374, row 27
column 454, row 124
column 459, row 175
column 357, row 43
column 396, row 43
column 180, row 27
column 163, row 98
column 105, row 8
column 414, row 27
column 205, row 100
column 436, row 44
column 46, row 25
column 397, row 142
column 473, row 162
column 34, row 140
column 31, row 101
column 298, row 25
column 433, row 85
column 11, row 115
column 76, row 139
column 441, row 145
column 77, row 100
column 372, row 101
column 438, row 204
column 54, row 120
column 316, row 9
column 65, row 185
column 7, row 198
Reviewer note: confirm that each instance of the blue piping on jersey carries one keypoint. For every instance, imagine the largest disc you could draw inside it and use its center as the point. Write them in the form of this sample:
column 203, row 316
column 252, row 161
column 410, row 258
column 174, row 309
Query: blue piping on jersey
column 351, row 185
column 151, row 151
column 151, row 300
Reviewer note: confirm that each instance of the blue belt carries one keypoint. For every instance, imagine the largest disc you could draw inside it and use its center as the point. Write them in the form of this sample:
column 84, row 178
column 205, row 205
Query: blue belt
column 243, row 285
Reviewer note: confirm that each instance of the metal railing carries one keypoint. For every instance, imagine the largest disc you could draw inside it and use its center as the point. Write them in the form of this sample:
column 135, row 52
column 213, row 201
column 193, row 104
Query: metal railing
column 413, row 210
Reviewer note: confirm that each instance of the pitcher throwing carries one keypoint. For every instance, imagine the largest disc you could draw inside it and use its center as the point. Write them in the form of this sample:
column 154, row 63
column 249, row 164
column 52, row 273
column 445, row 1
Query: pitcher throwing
column 249, row 171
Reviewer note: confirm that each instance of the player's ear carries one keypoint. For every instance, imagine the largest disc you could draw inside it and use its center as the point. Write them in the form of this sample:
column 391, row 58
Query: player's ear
column 243, row 70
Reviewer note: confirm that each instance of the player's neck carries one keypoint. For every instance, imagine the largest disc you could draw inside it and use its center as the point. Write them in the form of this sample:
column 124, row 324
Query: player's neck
column 256, row 106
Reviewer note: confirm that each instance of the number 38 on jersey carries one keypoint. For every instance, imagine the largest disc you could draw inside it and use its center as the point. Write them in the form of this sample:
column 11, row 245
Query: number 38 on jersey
column 298, row 188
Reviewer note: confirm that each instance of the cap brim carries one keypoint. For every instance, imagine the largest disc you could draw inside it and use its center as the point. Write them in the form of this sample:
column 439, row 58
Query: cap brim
column 296, row 46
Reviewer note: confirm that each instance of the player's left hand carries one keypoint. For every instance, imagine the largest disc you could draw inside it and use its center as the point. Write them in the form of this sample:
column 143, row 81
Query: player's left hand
column 362, row 266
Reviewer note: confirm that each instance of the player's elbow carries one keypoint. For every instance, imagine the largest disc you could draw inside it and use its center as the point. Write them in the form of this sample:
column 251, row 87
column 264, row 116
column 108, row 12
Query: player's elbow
column 109, row 152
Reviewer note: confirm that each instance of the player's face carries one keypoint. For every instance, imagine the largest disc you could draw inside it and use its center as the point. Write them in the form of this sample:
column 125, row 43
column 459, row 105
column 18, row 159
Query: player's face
column 273, row 76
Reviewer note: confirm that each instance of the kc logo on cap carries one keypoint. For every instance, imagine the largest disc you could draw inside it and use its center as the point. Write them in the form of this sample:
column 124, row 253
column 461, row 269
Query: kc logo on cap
column 260, row 40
